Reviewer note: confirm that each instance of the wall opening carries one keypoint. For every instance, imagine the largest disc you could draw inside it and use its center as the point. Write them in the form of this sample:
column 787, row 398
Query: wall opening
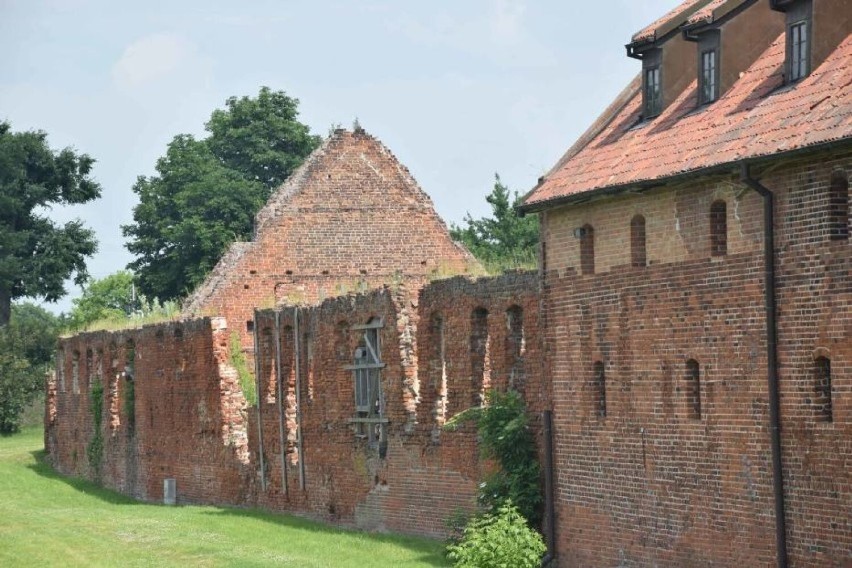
column 479, row 348
column 370, row 422
column 112, row 391
column 693, row 389
column 638, row 250
column 438, row 371
column 599, row 389
column 90, row 370
column 515, row 346
column 75, row 373
column 267, row 369
column 308, row 342
column 719, row 228
column 822, row 389
column 60, row 367
column 587, row 249
column 838, row 206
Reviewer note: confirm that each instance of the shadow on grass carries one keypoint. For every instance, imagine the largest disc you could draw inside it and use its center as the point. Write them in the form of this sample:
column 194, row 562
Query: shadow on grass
column 42, row 468
column 425, row 550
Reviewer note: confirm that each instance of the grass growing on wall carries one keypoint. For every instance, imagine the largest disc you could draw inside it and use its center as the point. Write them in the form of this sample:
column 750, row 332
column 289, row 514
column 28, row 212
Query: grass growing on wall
column 238, row 360
column 48, row 520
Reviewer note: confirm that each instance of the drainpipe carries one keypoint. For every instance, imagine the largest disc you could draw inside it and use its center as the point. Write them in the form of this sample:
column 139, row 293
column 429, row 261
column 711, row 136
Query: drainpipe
column 772, row 359
column 549, row 515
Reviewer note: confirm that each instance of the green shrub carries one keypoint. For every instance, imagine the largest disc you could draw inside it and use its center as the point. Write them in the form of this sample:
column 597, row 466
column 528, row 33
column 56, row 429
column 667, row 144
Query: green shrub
column 505, row 436
column 95, row 449
column 500, row 539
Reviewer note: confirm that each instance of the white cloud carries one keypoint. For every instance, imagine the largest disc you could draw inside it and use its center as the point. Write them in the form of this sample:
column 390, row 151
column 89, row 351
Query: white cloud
column 153, row 59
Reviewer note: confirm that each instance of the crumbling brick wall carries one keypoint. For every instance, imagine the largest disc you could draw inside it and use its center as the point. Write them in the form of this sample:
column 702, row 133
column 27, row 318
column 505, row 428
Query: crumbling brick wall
column 424, row 474
column 659, row 374
column 172, row 407
column 350, row 219
column 297, row 448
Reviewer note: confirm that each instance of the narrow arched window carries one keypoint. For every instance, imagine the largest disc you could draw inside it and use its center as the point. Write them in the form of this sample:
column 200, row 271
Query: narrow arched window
column 479, row 346
column 515, row 346
column 638, row 255
column 693, row 389
column 838, row 206
column 822, row 389
column 718, row 228
column 267, row 365
column 75, row 373
column 587, row 250
column 599, row 388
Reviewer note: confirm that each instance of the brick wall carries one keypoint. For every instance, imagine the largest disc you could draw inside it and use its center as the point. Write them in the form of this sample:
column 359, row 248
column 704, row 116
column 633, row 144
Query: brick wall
column 659, row 478
column 184, row 420
column 192, row 422
column 352, row 218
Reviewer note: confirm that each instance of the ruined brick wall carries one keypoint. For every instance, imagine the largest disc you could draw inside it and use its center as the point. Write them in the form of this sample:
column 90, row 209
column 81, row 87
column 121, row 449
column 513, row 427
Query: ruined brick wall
column 181, row 416
column 424, row 475
column 441, row 347
column 352, row 218
column 658, row 373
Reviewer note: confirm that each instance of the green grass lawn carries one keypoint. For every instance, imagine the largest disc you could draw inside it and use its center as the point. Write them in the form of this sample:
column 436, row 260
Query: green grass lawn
column 49, row 520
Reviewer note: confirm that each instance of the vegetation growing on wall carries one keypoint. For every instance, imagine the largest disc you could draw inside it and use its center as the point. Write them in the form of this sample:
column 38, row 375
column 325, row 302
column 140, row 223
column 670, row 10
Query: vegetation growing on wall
column 238, row 361
column 95, row 449
column 505, row 437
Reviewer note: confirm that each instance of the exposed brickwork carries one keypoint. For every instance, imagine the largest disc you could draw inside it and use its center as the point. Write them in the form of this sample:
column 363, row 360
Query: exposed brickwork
column 191, row 421
column 187, row 420
column 352, row 218
column 656, row 481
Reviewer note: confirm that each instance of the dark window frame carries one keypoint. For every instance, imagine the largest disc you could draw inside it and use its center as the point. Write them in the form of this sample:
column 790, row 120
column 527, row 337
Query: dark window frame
column 799, row 41
column 652, row 83
column 708, row 45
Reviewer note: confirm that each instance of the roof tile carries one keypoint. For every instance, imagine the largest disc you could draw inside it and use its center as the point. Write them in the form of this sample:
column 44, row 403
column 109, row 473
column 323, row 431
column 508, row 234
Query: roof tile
column 758, row 116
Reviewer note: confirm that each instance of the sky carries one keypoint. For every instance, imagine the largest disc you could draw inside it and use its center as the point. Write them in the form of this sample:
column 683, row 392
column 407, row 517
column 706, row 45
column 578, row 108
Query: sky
column 458, row 90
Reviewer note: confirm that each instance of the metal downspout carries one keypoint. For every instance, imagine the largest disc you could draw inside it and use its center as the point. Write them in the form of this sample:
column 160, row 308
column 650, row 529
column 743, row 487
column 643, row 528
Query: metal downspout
column 258, row 402
column 772, row 359
column 278, row 396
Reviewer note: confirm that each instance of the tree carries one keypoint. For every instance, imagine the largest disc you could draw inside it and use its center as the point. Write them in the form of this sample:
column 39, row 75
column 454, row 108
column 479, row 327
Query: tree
column 36, row 254
column 27, row 346
column 206, row 192
column 110, row 297
column 504, row 240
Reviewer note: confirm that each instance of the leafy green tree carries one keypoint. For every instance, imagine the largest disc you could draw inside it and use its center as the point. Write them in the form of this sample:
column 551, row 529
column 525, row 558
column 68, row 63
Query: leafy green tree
column 261, row 137
column 501, row 538
column 504, row 240
column 36, row 254
column 110, row 297
column 27, row 345
column 206, row 192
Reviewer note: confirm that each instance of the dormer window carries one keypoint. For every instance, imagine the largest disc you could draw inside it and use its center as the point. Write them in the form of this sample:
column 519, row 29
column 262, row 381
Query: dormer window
column 652, row 85
column 799, row 47
column 799, row 26
column 708, row 67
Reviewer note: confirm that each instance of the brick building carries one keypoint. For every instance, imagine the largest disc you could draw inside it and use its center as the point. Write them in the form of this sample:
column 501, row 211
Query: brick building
column 690, row 327
column 698, row 297
column 351, row 218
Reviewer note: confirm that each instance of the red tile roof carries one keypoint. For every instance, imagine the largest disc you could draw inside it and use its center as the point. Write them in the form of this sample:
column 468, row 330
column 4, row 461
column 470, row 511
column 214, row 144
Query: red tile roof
column 757, row 117
column 706, row 13
column 672, row 19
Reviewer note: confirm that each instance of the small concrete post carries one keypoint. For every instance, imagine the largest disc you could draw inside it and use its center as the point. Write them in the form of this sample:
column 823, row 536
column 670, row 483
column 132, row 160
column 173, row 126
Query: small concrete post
column 169, row 491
